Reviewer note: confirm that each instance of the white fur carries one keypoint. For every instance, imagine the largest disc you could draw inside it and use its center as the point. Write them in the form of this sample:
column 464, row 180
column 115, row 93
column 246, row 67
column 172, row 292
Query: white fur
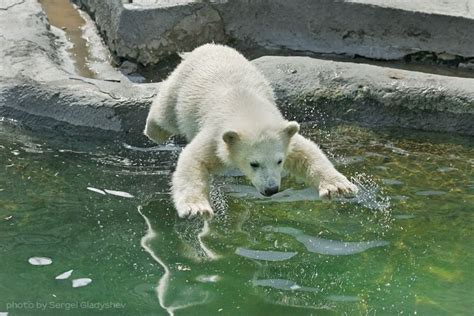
column 226, row 109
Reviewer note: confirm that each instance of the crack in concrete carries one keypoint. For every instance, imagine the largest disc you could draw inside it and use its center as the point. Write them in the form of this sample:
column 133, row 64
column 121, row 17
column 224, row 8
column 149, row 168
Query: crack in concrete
column 12, row 5
column 108, row 93
column 98, row 88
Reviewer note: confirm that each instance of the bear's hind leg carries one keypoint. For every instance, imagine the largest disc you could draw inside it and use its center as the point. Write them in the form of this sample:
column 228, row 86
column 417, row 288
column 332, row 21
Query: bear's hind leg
column 161, row 121
column 156, row 133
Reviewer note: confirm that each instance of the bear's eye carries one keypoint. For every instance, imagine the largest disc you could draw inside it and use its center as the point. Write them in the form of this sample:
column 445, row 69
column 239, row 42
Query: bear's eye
column 254, row 164
column 279, row 162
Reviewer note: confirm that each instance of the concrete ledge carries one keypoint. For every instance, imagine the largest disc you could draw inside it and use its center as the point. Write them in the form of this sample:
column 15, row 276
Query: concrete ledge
column 147, row 31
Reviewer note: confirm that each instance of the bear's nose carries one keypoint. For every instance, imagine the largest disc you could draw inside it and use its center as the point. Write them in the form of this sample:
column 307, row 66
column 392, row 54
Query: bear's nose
column 270, row 191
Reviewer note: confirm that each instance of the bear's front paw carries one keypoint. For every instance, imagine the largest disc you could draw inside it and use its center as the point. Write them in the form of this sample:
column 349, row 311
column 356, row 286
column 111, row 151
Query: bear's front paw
column 189, row 209
column 338, row 185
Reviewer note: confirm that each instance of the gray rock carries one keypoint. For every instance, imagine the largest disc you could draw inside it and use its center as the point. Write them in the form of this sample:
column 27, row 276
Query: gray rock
column 148, row 35
column 128, row 67
column 370, row 95
column 148, row 30
column 469, row 65
column 38, row 90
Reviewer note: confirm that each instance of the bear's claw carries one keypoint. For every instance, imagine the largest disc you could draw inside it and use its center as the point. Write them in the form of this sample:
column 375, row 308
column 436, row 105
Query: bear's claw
column 195, row 209
column 339, row 185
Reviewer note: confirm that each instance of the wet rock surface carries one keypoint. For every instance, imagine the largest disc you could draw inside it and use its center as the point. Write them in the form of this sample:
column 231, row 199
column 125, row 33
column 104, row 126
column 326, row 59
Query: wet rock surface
column 371, row 95
column 40, row 91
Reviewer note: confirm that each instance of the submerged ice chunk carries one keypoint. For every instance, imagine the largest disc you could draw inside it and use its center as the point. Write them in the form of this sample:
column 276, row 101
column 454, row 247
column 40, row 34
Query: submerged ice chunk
column 327, row 246
column 119, row 193
column 338, row 248
column 40, row 261
column 81, row 282
column 266, row 255
column 65, row 275
column 96, row 190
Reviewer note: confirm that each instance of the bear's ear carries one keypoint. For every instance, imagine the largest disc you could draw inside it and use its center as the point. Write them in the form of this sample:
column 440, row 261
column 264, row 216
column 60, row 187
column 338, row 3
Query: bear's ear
column 230, row 137
column 291, row 129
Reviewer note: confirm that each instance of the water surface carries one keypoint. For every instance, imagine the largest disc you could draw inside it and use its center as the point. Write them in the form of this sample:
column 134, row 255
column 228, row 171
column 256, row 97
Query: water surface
column 102, row 209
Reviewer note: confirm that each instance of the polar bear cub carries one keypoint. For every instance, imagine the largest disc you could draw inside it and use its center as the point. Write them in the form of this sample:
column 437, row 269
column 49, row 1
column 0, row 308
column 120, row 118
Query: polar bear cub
column 226, row 110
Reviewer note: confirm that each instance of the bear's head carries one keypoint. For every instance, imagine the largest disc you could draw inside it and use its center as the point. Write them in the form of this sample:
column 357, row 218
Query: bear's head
column 260, row 155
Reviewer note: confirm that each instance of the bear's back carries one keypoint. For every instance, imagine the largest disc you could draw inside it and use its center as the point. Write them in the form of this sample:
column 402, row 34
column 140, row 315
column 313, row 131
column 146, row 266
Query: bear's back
column 207, row 74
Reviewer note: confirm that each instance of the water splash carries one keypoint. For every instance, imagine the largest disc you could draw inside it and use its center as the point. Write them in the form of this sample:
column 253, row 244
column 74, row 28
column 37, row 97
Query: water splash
column 370, row 194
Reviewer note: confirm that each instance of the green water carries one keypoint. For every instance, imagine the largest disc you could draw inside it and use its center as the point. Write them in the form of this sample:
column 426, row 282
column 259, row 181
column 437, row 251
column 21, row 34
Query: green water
column 411, row 228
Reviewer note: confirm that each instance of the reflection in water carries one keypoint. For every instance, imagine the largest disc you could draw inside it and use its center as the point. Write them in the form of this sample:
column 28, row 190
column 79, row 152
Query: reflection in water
column 288, row 195
column 165, row 278
column 204, row 232
column 190, row 232
column 326, row 246
column 191, row 296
